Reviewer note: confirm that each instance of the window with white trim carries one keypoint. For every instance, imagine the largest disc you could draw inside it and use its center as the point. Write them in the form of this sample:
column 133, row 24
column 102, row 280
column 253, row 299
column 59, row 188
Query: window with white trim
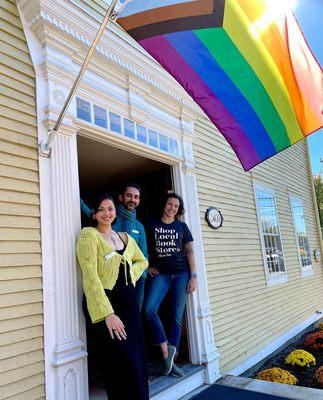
column 270, row 235
column 303, row 245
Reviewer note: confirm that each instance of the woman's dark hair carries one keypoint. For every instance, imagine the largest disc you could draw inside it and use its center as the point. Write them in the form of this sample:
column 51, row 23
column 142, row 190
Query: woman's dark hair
column 95, row 203
column 181, row 209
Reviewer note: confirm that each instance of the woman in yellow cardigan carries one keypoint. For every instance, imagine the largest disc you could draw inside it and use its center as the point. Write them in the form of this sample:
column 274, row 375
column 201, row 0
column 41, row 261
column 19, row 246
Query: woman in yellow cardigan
column 111, row 263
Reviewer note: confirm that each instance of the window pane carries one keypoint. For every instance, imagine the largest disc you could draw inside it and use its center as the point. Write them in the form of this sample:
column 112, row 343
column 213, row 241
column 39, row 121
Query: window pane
column 141, row 134
column 163, row 142
column 270, row 231
column 173, row 146
column 301, row 234
column 153, row 138
column 129, row 128
column 83, row 109
column 100, row 116
column 115, row 122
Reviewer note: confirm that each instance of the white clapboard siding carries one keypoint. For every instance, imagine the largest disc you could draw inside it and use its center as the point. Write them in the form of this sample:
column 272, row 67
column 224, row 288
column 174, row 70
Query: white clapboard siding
column 21, row 311
column 248, row 314
column 96, row 8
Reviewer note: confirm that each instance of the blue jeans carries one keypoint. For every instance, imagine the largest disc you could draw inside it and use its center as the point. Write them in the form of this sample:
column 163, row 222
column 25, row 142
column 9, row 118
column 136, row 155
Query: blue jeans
column 159, row 286
column 140, row 289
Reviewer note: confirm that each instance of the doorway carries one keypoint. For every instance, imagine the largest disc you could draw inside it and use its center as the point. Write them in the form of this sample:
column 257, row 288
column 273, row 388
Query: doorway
column 103, row 168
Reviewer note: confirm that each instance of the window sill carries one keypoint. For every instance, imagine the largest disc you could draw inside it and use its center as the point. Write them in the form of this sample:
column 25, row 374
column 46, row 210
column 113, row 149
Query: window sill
column 307, row 272
column 276, row 279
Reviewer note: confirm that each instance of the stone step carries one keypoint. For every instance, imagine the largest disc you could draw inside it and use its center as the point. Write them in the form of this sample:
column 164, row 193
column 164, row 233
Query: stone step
column 271, row 388
column 168, row 387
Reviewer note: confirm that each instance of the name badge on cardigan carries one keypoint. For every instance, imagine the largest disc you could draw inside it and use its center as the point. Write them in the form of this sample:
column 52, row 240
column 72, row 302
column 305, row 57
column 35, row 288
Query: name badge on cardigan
column 135, row 231
column 110, row 255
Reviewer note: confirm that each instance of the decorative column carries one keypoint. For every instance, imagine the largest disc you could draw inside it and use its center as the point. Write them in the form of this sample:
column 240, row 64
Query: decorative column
column 66, row 369
column 64, row 331
column 199, row 314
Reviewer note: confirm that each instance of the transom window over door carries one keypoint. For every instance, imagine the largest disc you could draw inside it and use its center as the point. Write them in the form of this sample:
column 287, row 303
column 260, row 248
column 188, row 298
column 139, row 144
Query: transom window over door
column 272, row 248
column 303, row 246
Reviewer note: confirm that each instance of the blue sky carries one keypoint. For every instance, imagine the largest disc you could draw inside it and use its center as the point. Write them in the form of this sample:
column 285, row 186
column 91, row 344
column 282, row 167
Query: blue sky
column 309, row 14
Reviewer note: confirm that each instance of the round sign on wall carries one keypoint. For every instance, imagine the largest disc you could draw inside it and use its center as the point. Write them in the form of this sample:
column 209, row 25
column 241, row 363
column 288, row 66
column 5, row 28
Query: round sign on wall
column 214, row 218
column 317, row 255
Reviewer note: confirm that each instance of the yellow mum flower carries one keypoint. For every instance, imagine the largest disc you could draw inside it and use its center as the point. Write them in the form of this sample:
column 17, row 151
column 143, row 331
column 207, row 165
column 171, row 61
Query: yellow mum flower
column 277, row 375
column 301, row 358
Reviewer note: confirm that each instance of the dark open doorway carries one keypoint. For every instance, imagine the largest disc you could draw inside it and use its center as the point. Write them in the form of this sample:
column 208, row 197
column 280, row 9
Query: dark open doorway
column 102, row 169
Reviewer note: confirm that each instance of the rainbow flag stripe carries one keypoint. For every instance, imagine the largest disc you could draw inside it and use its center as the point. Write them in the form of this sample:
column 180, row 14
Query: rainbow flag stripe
column 245, row 64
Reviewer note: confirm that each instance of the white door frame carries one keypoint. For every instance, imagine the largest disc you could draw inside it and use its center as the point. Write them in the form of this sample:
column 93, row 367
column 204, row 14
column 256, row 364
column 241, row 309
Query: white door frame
column 66, row 360
column 202, row 348
column 199, row 315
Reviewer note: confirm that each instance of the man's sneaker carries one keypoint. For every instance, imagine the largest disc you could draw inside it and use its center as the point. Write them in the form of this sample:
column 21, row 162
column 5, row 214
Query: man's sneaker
column 169, row 361
column 176, row 371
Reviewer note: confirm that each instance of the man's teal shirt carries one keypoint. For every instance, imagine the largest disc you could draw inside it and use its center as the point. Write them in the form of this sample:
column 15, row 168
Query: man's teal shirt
column 127, row 222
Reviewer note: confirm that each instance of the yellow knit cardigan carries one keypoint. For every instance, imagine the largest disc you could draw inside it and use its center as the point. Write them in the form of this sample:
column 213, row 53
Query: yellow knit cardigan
column 100, row 266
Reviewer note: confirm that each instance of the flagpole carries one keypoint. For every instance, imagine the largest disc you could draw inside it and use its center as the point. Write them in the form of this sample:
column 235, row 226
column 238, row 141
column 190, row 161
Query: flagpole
column 45, row 146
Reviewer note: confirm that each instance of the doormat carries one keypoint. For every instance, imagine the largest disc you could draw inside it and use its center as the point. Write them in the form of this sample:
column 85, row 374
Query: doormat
column 220, row 392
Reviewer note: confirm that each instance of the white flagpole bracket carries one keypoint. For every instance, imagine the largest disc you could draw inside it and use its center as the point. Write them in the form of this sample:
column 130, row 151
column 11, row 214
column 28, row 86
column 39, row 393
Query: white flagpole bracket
column 46, row 145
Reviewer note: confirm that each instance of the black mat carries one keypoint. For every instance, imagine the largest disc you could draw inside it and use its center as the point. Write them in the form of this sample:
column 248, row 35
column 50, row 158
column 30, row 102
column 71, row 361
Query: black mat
column 220, row 392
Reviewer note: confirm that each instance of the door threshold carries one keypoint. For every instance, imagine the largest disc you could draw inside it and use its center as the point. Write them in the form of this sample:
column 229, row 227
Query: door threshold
column 168, row 387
